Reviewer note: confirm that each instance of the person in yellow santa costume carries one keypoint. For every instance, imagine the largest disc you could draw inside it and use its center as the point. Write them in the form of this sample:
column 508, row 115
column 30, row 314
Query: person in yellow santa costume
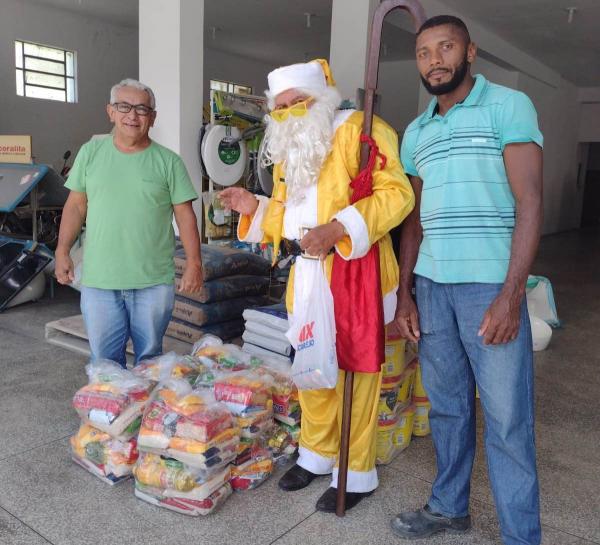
column 315, row 150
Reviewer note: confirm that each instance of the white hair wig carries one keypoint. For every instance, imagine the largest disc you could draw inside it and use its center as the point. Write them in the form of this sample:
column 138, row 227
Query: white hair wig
column 303, row 143
column 129, row 82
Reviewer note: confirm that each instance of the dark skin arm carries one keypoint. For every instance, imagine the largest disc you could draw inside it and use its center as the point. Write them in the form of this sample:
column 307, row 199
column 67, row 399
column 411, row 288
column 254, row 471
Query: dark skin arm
column 191, row 281
column 523, row 163
column 406, row 319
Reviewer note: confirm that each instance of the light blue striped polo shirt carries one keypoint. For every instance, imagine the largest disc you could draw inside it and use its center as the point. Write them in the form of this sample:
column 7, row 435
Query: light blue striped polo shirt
column 467, row 206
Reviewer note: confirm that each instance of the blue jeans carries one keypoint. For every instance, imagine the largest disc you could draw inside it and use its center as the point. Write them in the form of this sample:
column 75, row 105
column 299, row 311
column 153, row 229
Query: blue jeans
column 112, row 316
column 454, row 359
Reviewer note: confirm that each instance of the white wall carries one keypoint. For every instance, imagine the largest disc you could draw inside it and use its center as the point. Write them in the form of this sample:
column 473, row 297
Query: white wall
column 589, row 128
column 398, row 86
column 242, row 70
column 558, row 115
column 105, row 54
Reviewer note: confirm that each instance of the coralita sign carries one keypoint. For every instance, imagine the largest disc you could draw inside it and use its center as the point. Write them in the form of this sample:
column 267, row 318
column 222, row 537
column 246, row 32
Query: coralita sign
column 15, row 149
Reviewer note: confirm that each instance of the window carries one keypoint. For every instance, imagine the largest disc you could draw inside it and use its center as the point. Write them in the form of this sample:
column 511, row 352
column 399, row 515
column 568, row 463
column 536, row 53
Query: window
column 45, row 72
column 229, row 87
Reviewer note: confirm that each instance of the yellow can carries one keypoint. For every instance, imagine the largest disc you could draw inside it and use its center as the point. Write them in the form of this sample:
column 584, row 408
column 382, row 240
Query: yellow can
column 404, row 429
column 385, row 441
column 421, row 426
column 406, row 384
column 418, row 390
column 394, row 357
column 387, row 404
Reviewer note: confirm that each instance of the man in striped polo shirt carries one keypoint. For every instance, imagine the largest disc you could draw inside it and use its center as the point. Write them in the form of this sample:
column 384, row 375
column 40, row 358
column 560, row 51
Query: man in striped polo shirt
column 474, row 158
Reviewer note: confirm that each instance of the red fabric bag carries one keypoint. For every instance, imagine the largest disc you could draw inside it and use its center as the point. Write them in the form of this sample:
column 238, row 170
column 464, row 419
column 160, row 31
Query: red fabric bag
column 356, row 289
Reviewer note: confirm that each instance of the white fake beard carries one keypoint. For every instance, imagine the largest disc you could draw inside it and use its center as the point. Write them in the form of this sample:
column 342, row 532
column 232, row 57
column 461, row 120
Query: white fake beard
column 302, row 144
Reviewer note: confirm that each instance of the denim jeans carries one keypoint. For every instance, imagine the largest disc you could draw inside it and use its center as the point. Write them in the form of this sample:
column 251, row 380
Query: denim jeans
column 112, row 316
column 454, row 359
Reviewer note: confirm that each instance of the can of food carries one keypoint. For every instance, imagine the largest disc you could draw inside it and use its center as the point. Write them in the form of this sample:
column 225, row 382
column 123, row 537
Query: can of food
column 406, row 384
column 395, row 361
column 385, row 441
column 404, row 428
column 387, row 404
column 421, row 425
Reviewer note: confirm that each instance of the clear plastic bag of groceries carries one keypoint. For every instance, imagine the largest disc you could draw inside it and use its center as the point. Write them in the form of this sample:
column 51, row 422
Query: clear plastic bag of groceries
column 171, row 484
column 113, row 400
column 226, row 357
column 205, row 341
column 286, row 404
column 253, row 468
column 283, row 442
column 189, row 425
column 109, row 459
column 168, row 366
column 244, row 392
column 183, row 505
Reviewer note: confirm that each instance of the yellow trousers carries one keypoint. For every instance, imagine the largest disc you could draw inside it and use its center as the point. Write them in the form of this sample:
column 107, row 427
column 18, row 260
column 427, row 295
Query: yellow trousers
column 321, row 428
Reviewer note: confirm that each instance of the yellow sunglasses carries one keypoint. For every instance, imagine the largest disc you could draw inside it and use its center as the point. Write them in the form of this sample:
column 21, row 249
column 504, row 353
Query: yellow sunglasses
column 297, row 110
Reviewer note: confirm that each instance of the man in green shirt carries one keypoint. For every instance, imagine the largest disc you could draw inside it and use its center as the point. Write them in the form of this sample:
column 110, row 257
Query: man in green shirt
column 126, row 188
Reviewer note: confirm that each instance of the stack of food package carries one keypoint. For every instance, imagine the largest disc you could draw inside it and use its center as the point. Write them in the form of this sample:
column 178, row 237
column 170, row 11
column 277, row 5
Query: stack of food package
column 284, row 438
column 403, row 404
column 110, row 407
column 234, row 280
column 187, row 441
column 248, row 395
column 394, row 401
column 239, row 380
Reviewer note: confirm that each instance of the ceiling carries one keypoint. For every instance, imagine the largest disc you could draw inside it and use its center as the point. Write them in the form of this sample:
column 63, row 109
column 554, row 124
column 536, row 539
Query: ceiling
column 541, row 28
column 275, row 31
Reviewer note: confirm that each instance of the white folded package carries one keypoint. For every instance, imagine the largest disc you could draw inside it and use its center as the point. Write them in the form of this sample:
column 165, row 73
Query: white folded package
column 265, row 330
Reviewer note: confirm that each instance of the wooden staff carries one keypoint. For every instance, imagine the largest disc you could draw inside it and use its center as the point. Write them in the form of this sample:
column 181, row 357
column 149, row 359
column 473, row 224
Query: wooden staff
column 418, row 15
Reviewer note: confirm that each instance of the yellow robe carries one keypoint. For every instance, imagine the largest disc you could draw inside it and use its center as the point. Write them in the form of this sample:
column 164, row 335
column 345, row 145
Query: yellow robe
column 367, row 222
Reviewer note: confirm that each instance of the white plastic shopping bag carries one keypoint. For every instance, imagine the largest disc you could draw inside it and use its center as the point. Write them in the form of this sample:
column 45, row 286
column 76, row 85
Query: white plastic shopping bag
column 540, row 300
column 312, row 328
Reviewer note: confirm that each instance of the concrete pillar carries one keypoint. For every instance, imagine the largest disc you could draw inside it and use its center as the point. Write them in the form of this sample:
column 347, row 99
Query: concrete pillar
column 171, row 63
column 350, row 33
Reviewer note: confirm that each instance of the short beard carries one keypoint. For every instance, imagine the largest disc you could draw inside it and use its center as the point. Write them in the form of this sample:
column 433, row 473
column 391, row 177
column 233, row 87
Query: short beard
column 302, row 144
column 444, row 88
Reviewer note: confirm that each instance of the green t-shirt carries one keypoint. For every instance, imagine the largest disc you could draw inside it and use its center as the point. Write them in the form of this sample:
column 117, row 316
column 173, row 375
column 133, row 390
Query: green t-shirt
column 130, row 196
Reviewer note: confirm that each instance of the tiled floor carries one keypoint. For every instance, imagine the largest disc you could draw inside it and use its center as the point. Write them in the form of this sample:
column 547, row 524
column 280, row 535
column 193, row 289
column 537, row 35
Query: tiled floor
column 45, row 498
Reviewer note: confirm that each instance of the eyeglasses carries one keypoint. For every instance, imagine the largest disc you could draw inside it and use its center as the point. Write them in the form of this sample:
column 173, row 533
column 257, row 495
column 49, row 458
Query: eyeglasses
column 297, row 110
column 125, row 108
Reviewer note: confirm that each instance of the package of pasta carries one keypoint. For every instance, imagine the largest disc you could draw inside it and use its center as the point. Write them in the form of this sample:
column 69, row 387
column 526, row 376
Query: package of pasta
column 109, row 459
column 113, row 400
column 252, row 472
column 244, row 392
column 169, row 366
column 181, row 503
column 189, row 425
